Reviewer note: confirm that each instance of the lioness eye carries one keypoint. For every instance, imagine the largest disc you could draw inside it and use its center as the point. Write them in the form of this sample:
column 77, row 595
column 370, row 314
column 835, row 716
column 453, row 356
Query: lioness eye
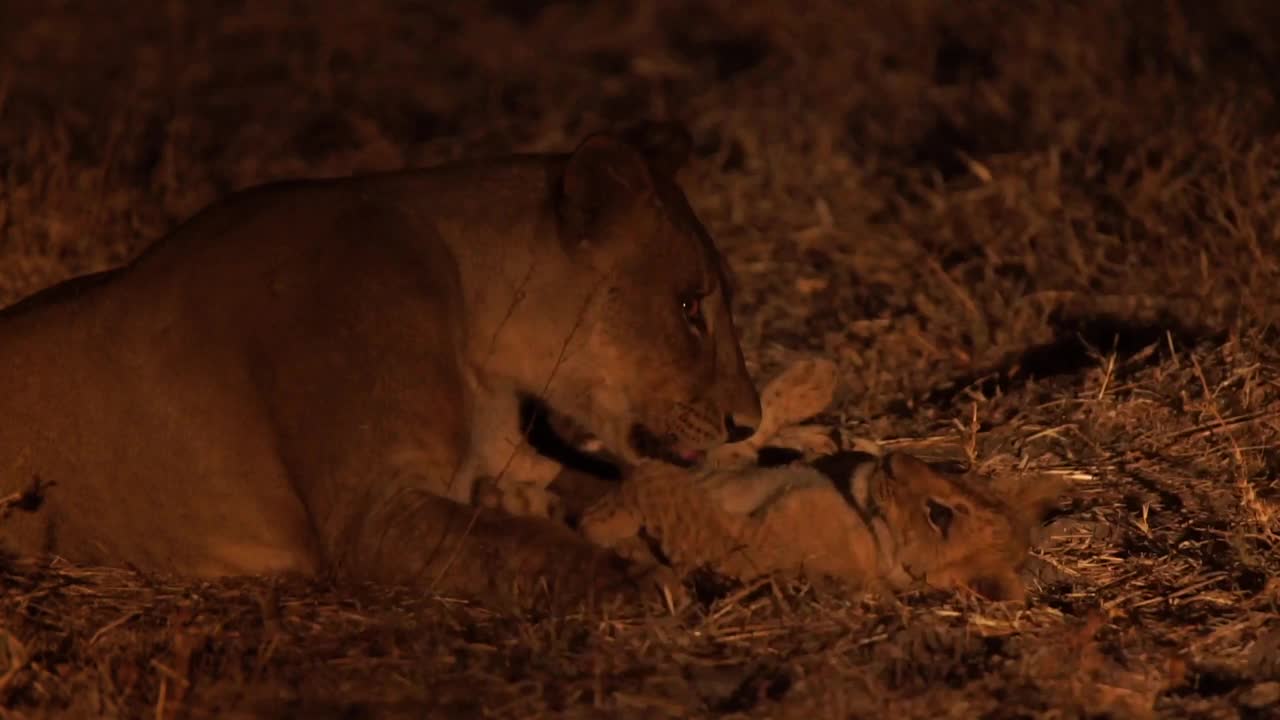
column 940, row 516
column 691, row 306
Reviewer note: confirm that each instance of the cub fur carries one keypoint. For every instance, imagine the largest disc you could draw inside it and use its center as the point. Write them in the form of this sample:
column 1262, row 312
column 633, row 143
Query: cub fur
column 311, row 376
column 879, row 523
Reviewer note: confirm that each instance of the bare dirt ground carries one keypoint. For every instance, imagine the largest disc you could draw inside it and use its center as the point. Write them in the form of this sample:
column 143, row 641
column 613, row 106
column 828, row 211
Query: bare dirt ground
column 1041, row 235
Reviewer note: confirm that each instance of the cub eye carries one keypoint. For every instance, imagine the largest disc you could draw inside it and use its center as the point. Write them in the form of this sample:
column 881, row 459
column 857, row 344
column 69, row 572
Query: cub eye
column 940, row 516
column 691, row 306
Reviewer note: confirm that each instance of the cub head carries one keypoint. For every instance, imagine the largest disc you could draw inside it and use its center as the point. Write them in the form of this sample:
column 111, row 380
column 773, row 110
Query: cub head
column 660, row 353
column 948, row 530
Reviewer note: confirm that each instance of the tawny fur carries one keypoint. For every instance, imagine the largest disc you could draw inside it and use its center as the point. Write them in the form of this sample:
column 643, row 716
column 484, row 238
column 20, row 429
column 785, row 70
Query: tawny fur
column 313, row 376
column 753, row 522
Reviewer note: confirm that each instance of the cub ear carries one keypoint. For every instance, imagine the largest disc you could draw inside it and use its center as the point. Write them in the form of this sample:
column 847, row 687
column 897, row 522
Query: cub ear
column 1034, row 500
column 603, row 174
column 666, row 145
column 900, row 464
column 999, row 585
column 851, row 472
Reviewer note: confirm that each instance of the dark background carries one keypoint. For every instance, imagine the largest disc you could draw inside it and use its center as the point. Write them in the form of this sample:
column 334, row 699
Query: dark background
column 1043, row 234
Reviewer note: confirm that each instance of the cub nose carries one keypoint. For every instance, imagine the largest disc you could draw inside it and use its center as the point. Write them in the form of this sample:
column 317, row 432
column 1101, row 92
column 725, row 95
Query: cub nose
column 737, row 430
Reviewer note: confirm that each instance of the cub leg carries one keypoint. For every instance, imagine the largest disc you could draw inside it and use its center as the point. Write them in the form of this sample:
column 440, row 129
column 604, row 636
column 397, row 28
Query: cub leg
column 616, row 521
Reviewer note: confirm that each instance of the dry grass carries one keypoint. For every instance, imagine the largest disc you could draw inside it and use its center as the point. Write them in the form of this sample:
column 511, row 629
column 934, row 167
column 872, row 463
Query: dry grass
column 1043, row 235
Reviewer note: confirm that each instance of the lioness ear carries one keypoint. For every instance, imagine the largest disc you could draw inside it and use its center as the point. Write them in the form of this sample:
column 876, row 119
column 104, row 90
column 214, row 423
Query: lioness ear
column 666, row 145
column 602, row 174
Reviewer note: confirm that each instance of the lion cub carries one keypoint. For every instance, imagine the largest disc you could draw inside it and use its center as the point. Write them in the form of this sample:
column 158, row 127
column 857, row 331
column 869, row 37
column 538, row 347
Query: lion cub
column 879, row 523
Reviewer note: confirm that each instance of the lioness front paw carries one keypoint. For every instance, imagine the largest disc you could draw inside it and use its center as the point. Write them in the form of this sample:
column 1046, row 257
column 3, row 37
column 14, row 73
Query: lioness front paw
column 531, row 500
column 526, row 467
column 519, row 499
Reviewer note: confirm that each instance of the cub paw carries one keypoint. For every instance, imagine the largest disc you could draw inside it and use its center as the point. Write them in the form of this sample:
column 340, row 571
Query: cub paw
column 615, row 577
column 801, row 391
column 667, row 582
column 728, row 457
column 647, row 571
column 811, row 440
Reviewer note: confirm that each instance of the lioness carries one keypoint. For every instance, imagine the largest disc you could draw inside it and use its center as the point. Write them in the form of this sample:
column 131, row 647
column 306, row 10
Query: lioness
column 880, row 523
column 310, row 375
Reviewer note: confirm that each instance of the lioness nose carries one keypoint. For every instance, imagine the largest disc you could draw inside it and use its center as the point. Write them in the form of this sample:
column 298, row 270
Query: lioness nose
column 737, row 431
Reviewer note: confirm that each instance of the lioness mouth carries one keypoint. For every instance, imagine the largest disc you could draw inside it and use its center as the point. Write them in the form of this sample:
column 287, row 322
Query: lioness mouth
column 560, row 437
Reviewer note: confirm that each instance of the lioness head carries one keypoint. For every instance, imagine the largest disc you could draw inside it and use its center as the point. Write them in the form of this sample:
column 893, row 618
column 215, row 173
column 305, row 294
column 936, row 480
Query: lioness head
column 949, row 531
column 661, row 358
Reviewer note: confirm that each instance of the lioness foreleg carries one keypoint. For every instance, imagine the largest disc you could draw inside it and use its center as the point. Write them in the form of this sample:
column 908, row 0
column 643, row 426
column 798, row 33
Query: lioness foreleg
column 501, row 469
column 417, row 538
